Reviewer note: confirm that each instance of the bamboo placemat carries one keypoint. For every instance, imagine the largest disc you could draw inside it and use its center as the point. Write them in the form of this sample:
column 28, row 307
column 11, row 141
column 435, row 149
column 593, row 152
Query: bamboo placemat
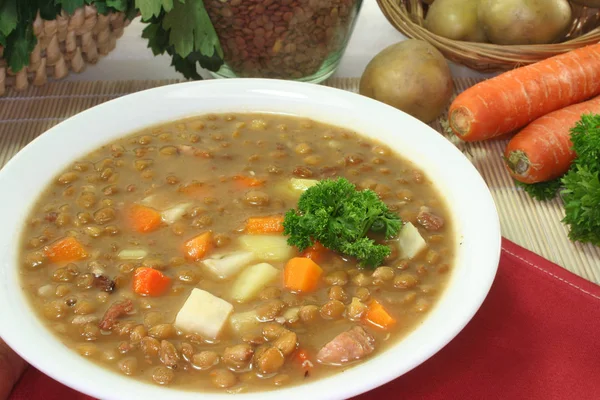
column 533, row 225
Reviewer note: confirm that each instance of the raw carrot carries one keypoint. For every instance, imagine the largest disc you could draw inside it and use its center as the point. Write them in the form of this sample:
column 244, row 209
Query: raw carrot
column 143, row 219
column 244, row 182
column 316, row 252
column 150, row 282
column 513, row 99
column 262, row 225
column 67, row 249
column 197, row 247
column 301, row 274
column 378, row 316
column 543, row 151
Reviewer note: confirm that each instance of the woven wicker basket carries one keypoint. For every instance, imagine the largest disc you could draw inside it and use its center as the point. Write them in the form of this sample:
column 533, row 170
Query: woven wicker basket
column 66, row 43
column 408, row 17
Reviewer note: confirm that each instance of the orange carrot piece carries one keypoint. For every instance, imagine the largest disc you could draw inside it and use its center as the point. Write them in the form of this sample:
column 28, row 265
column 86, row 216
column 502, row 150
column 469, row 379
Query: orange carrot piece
column 150, row 282
column 515, row 98
column 67, row 249
column 316, row 252
column 197, row 247
column 195, row 189
column 245, row 182
column 378, row 316
column 262, row 225
column 303, row 358
column 301, row 274
column 543, row 151
column 143, row 219
column 302, row 355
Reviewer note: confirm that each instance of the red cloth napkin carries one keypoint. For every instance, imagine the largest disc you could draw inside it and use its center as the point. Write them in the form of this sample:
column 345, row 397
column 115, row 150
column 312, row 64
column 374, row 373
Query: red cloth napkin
column 537, row 336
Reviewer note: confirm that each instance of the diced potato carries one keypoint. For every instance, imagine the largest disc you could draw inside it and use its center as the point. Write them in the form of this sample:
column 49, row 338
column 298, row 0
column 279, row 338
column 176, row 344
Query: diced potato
column 203, row 313
column 267, row 247
column 132, row 254
column 410, row 241
column 252, row 280
column 244, row 322
column 302, row 185
column 149, row 200
column 225, row 266
column 172, row 214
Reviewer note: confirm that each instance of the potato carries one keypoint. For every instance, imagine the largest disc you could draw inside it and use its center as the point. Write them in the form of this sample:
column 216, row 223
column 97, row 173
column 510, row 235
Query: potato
column 412, row 76
column 517, row 22
column 455, row 19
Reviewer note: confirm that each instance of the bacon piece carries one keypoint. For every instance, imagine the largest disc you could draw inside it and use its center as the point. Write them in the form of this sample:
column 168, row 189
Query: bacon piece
column 351, row 345
column 116, row 310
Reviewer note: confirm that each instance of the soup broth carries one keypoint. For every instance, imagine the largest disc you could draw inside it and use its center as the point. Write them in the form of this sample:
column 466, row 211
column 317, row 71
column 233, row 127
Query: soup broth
column 160, row 255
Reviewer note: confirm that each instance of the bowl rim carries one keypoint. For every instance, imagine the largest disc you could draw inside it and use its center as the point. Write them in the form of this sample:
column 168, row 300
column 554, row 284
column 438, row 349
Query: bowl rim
column 369, row 374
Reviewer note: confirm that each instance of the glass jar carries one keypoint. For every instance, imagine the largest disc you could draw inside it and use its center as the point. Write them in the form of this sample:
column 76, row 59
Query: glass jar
column 286, row 39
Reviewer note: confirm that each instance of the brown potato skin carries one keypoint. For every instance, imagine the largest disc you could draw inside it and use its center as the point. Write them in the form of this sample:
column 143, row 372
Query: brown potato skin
column 456, row 20
column 520, row 22
column 412, row 76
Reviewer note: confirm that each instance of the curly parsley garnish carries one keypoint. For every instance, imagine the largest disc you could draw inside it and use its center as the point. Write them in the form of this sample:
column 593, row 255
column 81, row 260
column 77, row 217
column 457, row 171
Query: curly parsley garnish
column 340, row 217
column 581, row 193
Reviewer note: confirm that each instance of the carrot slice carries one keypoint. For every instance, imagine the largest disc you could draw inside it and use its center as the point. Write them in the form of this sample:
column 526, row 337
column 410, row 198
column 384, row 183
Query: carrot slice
column 262, row 225
column 316, row 252
column 378, row 316
column 302, row 355
column 143, row 219
column 245, row 182
column 197, row 247
column 194, row 189
column 150, row 282
column 301, row 274
column 65, row 250
column 303, row 359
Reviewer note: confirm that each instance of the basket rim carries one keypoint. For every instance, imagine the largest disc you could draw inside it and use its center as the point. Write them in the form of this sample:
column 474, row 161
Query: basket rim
column 398, row 16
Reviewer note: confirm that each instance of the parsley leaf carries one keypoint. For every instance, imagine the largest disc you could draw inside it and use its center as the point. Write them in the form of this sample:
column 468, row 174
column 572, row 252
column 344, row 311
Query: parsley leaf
column 191, row 29
column 152, row 8
column 19, row 46
column 8, row 17
column 117, row 5
column 542, row 190
column 160, row 41
column 158, row 38
column 582, row 183
column 339, row 217
column 70, row 5
column 48, row 9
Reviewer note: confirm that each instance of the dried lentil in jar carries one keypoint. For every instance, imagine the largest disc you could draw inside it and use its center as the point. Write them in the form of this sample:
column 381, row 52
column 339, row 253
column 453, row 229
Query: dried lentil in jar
column 287, row 40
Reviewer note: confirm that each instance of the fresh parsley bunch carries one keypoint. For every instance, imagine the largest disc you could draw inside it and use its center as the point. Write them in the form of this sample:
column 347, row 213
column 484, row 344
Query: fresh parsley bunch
column 339, row 217
column 581, row 193
column 182, row 28
column 580, row 186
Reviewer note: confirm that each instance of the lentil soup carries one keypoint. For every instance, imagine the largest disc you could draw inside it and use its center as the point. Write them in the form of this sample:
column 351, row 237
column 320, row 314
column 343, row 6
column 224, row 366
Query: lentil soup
column 161, row 255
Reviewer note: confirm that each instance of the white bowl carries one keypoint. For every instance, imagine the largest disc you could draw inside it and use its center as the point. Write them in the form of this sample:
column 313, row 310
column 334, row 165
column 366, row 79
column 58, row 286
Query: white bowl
column 475, row 220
